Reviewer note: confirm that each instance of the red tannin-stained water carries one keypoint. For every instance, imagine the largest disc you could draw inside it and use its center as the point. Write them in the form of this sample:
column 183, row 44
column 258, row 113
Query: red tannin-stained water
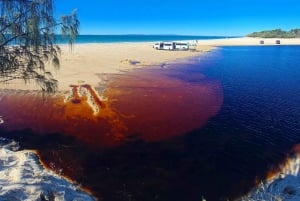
column 155, row 107
column 147, row 105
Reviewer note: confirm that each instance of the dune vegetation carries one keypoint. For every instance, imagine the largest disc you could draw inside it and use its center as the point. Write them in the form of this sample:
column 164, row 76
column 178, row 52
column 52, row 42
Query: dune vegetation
column 276, row 33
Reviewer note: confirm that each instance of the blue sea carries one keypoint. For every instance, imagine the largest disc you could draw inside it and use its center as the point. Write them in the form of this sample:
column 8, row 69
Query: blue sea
column 135, row 38
column 253, row 133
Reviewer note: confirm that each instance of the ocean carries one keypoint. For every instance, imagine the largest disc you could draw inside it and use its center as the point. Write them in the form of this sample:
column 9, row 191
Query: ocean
column 134, row 38
column 212, row 126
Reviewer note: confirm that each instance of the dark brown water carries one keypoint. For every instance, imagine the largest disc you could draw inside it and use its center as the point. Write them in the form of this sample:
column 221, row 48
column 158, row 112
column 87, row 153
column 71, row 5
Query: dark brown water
column 155, row 106
column 213, row 126
column 142, row 106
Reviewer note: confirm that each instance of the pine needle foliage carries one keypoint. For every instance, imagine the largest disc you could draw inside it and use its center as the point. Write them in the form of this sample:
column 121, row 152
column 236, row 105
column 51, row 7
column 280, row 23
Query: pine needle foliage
column 27, row 40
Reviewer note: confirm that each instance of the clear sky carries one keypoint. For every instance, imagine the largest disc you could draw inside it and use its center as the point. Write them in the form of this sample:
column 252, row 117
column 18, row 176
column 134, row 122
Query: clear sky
column 183, row 17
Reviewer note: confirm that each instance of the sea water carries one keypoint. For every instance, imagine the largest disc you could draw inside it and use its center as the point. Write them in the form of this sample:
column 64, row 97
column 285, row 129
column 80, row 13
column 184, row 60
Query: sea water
column 134, row 38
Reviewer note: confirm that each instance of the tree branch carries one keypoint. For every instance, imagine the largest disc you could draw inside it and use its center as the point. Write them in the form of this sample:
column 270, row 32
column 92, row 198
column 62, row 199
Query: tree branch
column 24, row 34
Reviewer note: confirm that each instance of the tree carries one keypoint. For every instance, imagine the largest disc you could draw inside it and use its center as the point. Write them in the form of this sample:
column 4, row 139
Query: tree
column 276, row 33
column 27, row 40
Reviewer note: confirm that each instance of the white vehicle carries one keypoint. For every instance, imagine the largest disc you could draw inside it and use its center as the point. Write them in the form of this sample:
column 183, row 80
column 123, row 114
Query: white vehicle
column 168, row 46
column 171, row 46
column 181, row 46
column 164, row 46
column 158, row 46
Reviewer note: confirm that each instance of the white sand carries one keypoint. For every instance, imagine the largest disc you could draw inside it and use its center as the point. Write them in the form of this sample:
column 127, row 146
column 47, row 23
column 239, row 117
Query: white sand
column 23, row 178
column 87, row 61
column 285, row 185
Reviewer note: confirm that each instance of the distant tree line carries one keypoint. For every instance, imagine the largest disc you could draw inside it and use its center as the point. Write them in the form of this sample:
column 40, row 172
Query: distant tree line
column 277, row 33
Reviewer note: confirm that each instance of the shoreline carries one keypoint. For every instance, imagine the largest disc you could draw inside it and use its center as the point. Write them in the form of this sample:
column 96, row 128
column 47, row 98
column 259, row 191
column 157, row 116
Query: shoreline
column 86, row 61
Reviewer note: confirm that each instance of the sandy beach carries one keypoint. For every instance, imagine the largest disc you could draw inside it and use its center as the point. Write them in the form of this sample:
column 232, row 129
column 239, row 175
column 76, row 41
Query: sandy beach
column 86, row 62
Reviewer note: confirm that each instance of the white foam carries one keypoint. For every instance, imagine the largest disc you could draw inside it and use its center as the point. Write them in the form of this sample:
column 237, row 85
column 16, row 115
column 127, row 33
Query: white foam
column 22, row 177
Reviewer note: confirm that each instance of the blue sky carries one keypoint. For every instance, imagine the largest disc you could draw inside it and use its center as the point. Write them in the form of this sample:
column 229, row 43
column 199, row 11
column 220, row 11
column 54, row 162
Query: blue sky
column 184, row 17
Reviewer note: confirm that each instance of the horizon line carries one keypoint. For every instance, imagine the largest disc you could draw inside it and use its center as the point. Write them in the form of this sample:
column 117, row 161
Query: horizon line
column 88, row 34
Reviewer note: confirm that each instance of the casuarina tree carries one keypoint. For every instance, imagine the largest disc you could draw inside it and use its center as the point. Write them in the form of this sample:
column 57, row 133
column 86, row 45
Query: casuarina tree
column 28, row 41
